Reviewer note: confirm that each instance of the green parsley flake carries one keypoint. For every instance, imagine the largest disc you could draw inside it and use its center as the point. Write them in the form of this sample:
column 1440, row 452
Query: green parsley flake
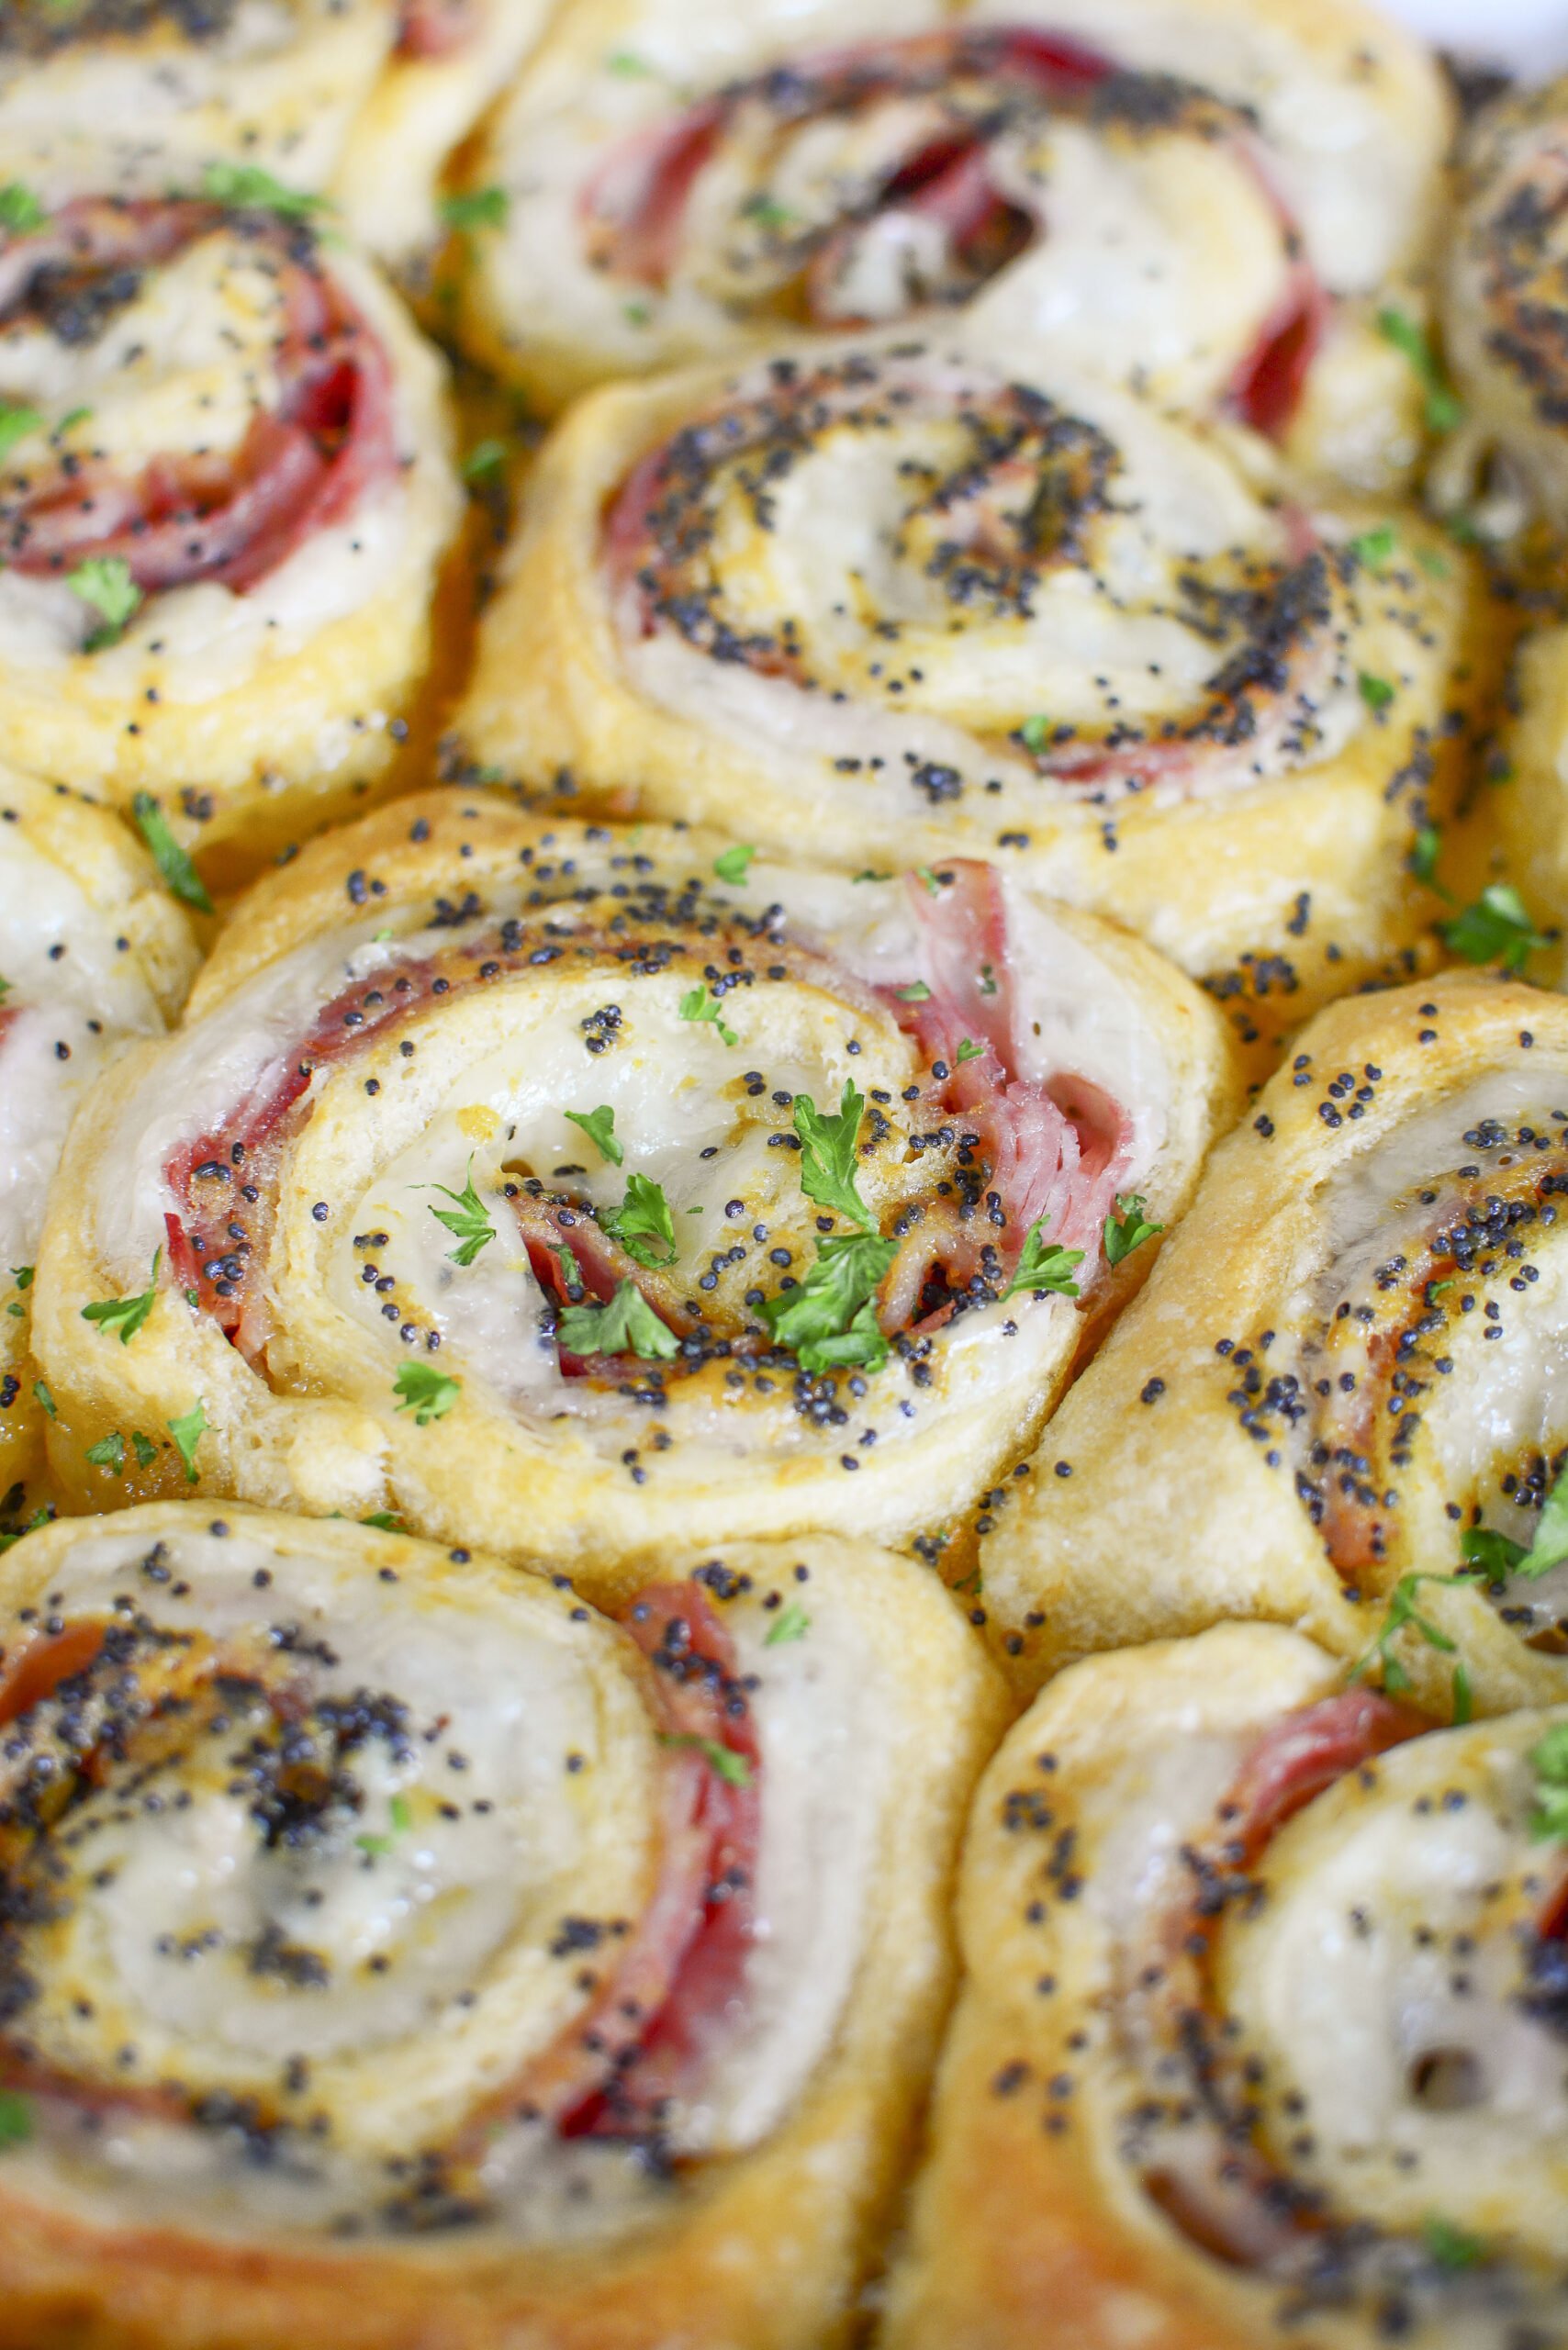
column 45, row 1400
column 1035, row 734
column 968, row 1050
column 730, row 864
column 187, row 1432
column 1499, row 1555
column 245, row 187
column 1127, row 1228
column 429, row 1393
column 476, row 207
column 16, row 2118
column 17, row 422
column 1444, row 409
column 791, row 1623
column 468, row 1219
column 627, row 1324
column 104, row 582
column 599, row 1128
column 642, row 1219
column 829, row 1157
column 179, row 874
column 829, row 1320
column 698, row 1004
column 1404, row 1613
column 917, row 992
column 486, row 457
column 732, row 1768
column 1497, row 929
column 22, row 1275
column 20, row 210
column 124, row 1315
column 1549, row 1760
column 1376, row 692
column 1042, row 1267
column 108, row 1453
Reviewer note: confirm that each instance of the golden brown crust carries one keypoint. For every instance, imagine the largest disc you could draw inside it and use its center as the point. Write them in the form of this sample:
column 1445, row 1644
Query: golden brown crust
column 765, row 2249
column 1179, row 1500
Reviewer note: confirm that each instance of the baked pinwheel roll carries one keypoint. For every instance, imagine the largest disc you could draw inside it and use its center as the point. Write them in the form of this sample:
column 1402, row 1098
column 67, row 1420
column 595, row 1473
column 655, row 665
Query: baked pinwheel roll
column 1206, row 202
column 1341, row 1399
column 395, row 1951
column 896, row 606
column 1262, row 2041
column 1506, row 306
column 452, row 58
column 226, row 496
column 131, row 94
column 574, row 1191
column 92, row 951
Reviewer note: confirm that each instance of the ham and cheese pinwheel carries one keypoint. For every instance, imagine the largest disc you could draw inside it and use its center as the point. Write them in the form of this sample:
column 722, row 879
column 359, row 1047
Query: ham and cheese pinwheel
column 397, row 1952
column 92, row 951
column 896, row 606
column 225, row 500
column 131, row 93
column 1263, row 2039
column 1204, row 201
column 1341, row 1402
column 452, row 58
column 571, row 1191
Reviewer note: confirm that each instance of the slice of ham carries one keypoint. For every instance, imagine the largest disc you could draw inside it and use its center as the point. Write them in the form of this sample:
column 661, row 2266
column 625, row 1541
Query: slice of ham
column 677, row 1978
column 301, row 466
column 430, row 30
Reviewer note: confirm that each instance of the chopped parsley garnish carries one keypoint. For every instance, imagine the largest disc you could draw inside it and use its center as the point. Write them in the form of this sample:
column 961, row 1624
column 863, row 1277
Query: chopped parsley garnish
column 1035, row 733
column 1043, row 1266
column 466, row 1219
column 1549, row 1760
column 571, row 1272
column 627, row 1326
column 626, row 63
column 484, row 458
column 1128, row 1228
column 187, row 1432
column 1424, row 850
column 732, row 863
column 179, row 874
column 46, row 1401
column 146, row 1451
column 698, row 1004
column 640, row 1221
column 732, row 1768
column 1499, row 1555
column 915, row 992
column 1496, row 929
column 245, row 187
column 16, row 2118
column 21, row 209
column 1404, row 1613
column 476, row 207
column 103, row 583
column 22, row 1275
column 987, row 979
column 385, row 1521
column 829, row 1319
column 401, row 1819
column 933, row 882
column 791, row 1623
column 767, row 212
column 108, row 1452
column 124, row 1315
column 869, row 873
column 1451, row 2246
column 429, row 1393
column 1376, row 692
column 1444, row 409
column 829, row 1157
column 968, row 1050
column 1374, row 548
column 599, row 1128
column 17, row 422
